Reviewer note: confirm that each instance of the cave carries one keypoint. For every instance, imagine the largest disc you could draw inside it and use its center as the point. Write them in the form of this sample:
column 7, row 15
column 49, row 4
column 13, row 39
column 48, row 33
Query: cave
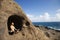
column 18, row 22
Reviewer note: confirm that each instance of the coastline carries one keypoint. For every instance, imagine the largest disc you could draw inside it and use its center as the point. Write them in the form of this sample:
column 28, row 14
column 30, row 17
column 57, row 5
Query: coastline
column 49, row 28
column 52, row 25
column 51, row 33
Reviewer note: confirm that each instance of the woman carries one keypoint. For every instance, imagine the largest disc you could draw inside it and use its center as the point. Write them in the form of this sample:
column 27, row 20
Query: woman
column 13, row 29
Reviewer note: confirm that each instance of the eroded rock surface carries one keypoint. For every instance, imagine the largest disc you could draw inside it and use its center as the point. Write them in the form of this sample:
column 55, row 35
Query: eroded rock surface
column 8, row 10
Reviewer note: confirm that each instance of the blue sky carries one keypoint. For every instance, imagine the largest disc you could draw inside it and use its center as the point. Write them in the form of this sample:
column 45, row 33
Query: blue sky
column 41, row 10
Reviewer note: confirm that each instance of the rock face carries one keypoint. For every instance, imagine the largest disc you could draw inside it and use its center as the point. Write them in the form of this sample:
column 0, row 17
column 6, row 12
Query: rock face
column 11, row 12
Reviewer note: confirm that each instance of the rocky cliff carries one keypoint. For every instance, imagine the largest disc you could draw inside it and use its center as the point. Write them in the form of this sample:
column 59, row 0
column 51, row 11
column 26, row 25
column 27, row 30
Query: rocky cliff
column 11, row 11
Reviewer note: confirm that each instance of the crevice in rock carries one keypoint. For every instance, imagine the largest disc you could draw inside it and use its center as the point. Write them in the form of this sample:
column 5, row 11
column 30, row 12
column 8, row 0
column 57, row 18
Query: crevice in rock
column 27, row 23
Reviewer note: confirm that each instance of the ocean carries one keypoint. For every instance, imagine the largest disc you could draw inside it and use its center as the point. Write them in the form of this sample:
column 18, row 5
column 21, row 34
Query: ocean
column 55, row 25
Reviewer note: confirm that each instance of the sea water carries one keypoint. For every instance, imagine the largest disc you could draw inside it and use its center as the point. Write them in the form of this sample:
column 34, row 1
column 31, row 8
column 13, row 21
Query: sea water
column 55, row 25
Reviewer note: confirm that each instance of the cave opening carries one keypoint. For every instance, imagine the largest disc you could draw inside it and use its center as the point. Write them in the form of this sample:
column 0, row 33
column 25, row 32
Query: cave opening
column 17, row 20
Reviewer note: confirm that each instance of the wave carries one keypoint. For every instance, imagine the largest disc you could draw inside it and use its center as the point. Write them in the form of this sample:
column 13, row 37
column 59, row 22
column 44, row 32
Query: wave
column 53, row 28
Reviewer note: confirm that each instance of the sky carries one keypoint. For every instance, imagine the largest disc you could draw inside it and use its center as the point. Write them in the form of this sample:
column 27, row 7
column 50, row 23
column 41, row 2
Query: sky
column 41, row 10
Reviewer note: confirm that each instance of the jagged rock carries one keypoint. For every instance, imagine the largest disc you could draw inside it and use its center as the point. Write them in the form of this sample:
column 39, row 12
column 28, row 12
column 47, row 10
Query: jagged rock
column 10, row 11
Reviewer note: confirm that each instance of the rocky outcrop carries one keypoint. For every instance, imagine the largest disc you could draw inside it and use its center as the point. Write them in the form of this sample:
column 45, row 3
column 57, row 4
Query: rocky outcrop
column 11, row 12
column 51, row 33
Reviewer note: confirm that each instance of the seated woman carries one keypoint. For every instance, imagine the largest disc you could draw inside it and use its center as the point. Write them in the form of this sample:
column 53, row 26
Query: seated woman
column 13, row 29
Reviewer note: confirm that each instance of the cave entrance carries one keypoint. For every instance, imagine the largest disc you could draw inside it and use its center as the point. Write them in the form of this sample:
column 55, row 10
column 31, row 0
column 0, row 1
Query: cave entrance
column 17, row 20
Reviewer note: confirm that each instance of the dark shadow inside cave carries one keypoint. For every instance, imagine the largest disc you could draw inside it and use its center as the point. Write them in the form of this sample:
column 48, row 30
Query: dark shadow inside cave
column 27, row 23
column 18, row 22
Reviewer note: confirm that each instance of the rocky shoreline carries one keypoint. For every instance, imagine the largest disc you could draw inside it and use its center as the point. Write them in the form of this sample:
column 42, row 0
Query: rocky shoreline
column 50, row 32
column 48, row 28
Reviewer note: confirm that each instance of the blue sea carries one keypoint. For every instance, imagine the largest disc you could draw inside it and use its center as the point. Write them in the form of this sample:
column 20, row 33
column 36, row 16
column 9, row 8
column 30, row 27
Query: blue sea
column 55, row 25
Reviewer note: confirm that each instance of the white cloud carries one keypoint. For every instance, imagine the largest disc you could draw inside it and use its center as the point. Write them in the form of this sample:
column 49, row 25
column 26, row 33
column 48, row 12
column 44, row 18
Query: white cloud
column 46, row 17
column 58, row 15
column 33, row 18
